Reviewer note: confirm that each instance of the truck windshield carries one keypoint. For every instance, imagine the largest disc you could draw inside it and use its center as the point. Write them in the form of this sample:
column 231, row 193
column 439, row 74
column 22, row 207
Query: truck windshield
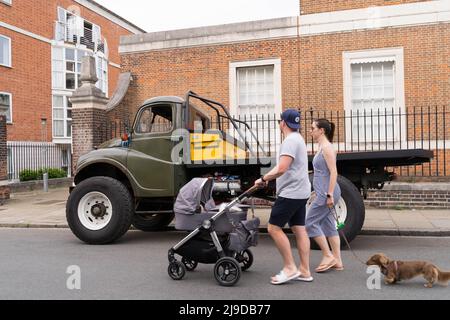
column 155, row 119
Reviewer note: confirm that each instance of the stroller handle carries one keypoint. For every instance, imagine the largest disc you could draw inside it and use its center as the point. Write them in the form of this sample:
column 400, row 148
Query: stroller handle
column 248, row 192
column 234, row 202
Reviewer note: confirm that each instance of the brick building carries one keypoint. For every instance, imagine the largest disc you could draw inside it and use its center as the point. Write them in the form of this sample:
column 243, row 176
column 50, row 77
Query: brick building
column 41, row 46
column 387, row 59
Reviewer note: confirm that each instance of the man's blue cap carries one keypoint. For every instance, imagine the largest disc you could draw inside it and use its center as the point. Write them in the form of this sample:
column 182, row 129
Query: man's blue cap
column 292, row 118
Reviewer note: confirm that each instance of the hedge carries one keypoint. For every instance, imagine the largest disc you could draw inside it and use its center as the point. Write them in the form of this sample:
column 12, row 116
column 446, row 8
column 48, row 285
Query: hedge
column 31, row 175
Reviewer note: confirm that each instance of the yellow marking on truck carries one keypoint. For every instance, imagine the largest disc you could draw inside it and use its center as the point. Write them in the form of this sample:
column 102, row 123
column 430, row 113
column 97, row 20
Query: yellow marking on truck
column 213, row 147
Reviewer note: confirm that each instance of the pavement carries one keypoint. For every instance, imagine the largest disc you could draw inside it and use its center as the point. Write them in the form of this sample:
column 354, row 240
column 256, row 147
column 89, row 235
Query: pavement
column 38, row 209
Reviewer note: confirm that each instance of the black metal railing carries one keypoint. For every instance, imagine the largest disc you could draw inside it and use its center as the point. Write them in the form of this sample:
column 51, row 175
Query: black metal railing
column 379, row 129
column 36, row 155
column 114, row 129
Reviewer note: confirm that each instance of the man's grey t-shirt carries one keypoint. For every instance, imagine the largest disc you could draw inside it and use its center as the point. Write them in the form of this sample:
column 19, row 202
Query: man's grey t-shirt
column 294, row 183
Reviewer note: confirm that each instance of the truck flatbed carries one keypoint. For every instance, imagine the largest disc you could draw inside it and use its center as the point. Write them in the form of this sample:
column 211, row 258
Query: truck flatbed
column 388, row 158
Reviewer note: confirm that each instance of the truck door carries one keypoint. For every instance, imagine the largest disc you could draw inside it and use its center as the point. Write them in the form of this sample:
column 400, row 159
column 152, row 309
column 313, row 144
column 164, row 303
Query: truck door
column 149, row 158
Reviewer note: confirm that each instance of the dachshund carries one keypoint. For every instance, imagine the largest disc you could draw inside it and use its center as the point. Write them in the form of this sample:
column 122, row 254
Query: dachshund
column 396, row 270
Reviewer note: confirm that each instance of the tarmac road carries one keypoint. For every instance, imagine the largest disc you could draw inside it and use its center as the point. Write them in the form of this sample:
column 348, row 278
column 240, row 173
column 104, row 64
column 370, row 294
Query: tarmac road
column 34, row 265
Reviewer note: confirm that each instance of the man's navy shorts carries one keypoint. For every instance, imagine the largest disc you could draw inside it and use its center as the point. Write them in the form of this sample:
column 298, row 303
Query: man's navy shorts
column 292, row 211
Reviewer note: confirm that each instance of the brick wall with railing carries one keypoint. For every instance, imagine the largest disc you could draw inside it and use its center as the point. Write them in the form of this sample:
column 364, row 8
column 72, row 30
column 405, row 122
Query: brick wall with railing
column 4, row 187
column 359, row 132
column 430, row 132
column 407, row 195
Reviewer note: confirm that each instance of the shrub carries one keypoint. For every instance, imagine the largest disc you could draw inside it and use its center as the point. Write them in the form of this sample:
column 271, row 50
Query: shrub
column 54, row 173
column 30, row 175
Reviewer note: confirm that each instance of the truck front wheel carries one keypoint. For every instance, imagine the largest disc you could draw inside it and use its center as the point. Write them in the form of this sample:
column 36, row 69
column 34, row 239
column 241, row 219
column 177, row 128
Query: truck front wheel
column 99, row 210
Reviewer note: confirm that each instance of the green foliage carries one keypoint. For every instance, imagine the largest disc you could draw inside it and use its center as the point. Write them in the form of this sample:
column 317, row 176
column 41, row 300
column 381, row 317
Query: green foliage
column 55, row 173
column 28, row 175
column 31, row 175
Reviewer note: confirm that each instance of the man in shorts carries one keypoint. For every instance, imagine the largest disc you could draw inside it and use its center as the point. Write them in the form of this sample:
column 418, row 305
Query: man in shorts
column 293, row 191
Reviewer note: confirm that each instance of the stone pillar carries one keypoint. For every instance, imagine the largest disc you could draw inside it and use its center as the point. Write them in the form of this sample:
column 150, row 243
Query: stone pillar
column 88, row 112
column 4, row 184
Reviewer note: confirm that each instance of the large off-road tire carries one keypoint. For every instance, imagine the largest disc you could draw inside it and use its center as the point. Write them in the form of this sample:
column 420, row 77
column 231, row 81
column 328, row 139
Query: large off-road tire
column 350, row 210
column 154, row 222
column 99, row 210
column 355, row 210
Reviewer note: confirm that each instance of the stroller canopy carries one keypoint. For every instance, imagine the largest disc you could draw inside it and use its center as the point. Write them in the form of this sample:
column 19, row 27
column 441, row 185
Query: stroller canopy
column 194, row 195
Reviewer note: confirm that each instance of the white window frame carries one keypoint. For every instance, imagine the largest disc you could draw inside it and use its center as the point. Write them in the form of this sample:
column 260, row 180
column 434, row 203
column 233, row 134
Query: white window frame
column 103, row 82
column 234, row 94
column 64, row 139
column 375, row 55
column 10, row 106
column 8, row 2
column 9, row 62
column 60, row 72
column 102, row 74
column 74, row 72
column 256, row 63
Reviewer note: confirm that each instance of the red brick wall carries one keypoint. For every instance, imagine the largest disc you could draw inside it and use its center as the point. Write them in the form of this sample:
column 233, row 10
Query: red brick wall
column 205, row 70
column 4, row 189
column 3, row 152
column 29, row 81
column 86, row 131
column 425, row 63
column 417, row 199
column 312, row 74
column 318, row 6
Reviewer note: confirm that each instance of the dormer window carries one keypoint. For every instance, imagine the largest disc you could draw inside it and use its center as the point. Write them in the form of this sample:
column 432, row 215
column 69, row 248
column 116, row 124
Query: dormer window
column 71, row 28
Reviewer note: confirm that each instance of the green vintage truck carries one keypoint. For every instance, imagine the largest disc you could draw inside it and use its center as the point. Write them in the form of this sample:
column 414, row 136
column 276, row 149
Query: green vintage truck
column 135, row 180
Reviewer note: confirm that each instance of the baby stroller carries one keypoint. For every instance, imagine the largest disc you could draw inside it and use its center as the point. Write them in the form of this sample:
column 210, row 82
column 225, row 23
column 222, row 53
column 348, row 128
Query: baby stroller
column 218, row 236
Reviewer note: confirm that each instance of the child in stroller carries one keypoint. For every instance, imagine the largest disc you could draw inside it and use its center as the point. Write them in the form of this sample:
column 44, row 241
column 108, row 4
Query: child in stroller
column 218, row 236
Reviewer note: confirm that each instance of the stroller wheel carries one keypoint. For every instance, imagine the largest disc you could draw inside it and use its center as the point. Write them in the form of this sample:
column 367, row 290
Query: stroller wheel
column 227, row 271
column 176, row 270
column 189, row 264
column 245, row 258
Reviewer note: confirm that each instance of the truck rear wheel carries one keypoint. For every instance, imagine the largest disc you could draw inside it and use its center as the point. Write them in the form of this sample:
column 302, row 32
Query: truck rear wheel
column 350, row 210
column 152, row 222
column 99, row 210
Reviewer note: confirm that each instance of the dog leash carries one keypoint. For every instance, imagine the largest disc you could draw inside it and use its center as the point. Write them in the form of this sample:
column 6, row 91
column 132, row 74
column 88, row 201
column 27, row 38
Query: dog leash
column 340, row 227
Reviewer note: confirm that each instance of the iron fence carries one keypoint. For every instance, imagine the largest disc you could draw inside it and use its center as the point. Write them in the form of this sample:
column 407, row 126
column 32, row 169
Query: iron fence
column 36, row 155
column 379, row 129
column 114, row 129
